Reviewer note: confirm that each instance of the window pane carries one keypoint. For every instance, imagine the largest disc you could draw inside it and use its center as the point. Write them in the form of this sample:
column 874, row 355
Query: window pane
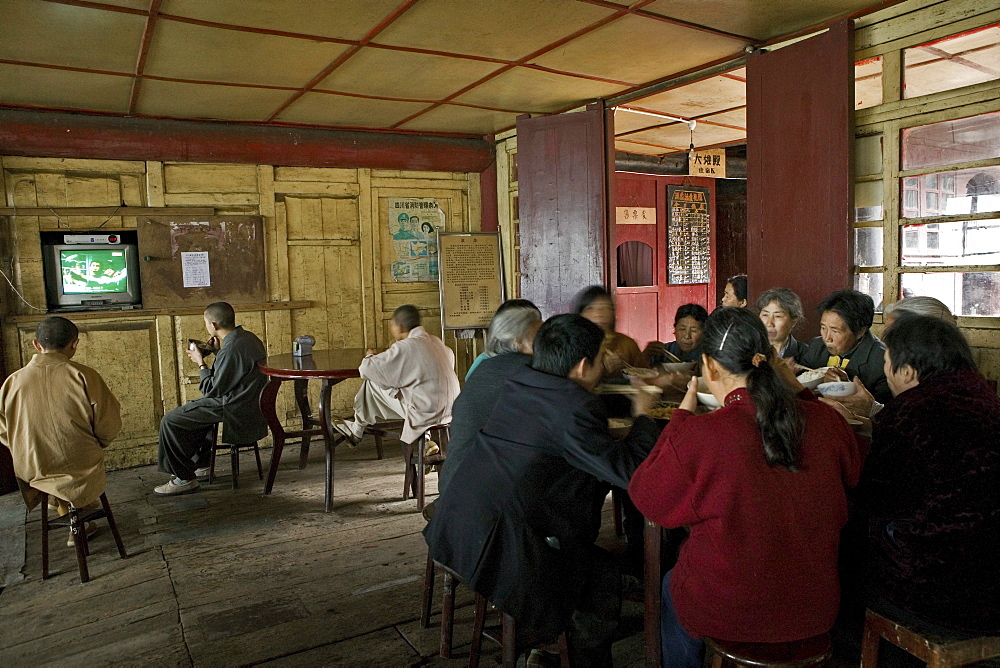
column 973, row 242
column 868, row 201
column 960, row 140
column 871, row 285
column 868, row 247
column 868, row 83
column 968, row 294
column 960, row 60
column 868, row 155
column 952, row 193
column 635, row 264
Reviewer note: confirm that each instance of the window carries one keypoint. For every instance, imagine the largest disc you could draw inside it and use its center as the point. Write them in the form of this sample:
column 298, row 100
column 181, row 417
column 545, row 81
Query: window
column 868, row 83
column 635, row 264
column 927, row 172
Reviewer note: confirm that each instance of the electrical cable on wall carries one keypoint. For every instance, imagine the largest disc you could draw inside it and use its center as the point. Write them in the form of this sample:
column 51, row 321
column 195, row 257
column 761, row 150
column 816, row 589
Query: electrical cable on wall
column 4, row 274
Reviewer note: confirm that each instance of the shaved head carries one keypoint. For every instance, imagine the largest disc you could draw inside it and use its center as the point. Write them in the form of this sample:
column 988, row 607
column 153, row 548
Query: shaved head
column 222, row 314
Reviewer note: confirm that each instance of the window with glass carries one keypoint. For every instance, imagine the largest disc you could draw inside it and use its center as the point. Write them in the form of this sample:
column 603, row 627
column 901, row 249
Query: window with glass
column 965, row 59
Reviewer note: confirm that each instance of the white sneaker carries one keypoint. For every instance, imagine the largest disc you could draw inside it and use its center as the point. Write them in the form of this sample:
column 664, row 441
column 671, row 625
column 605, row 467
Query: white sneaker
column 203, row 472
column 176, row 486
column 343, row 427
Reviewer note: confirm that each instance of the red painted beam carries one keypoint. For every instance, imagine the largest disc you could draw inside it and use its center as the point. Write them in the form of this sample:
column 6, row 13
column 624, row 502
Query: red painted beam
column 36, row 133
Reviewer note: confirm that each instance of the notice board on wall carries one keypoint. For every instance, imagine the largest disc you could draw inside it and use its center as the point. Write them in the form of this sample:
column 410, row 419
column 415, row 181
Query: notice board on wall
column 689, row 235
column 196, row 260
column 471, row 278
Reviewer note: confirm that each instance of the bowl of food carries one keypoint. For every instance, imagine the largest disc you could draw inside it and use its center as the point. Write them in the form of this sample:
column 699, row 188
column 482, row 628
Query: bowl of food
column 639, row 372
column 811, row 378
column 705, row 396
column 674, row 367
column 837, row 389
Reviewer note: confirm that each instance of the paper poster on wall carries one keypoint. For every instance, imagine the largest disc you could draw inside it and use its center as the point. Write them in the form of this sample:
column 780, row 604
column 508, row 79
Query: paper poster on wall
column 689, row 257
column 194, row 269
column 414, row 223
column 471, row 279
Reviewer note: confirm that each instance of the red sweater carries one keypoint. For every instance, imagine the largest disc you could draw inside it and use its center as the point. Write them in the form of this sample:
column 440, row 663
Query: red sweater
column 761, row 562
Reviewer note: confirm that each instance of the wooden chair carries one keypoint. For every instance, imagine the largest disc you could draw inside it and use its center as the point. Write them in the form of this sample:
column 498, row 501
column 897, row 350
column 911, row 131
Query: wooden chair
column 938, row 651
column 508, row 633
column 813, row 651
column 414, row 459
column 76, row 520
column 382, row 430
column 234, row 454
column 451, row 581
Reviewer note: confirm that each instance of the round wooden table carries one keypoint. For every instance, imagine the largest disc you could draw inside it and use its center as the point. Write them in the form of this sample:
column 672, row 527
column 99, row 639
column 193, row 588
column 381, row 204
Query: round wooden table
column 328, row 366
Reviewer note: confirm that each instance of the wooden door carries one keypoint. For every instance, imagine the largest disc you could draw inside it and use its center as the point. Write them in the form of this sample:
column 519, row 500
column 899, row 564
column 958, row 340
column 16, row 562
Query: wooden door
column 800, row 118
column 562, row 176
column 646, row 312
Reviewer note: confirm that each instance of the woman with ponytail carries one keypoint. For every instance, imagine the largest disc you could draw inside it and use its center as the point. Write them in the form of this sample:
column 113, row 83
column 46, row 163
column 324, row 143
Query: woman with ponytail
column 761, row 484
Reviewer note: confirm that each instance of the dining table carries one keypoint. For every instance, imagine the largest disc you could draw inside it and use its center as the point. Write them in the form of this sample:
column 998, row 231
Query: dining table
column 329, row 367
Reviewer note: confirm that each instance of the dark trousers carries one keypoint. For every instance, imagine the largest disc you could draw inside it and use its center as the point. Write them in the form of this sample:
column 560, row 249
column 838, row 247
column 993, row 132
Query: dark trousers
column 186, row 440
column 596, row 613
column 680, row 650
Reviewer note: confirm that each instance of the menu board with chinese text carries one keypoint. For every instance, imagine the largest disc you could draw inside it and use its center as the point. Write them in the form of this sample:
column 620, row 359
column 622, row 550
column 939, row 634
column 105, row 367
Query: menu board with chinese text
column 471, row 278
column 688, row 235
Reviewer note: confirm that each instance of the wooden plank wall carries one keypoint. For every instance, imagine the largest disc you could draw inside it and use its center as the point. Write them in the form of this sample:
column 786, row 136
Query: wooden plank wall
column 326, row 241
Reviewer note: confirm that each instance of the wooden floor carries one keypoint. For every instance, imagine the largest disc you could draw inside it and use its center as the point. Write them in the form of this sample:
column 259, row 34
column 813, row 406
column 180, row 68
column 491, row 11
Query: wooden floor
column 226, row 578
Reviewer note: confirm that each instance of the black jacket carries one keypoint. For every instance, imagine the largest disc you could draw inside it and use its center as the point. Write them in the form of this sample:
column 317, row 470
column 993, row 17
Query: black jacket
column 866, row 361
column 521, row 513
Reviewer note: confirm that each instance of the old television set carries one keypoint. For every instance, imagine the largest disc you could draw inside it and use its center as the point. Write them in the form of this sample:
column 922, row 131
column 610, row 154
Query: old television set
column 91, row 271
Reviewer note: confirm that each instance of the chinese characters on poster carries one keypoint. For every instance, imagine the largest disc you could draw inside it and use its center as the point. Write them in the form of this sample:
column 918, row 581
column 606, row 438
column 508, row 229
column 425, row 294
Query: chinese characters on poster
column 413, row 224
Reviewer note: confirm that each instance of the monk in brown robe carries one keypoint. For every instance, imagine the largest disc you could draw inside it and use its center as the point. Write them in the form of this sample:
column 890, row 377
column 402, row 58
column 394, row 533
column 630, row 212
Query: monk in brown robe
column 57, row 416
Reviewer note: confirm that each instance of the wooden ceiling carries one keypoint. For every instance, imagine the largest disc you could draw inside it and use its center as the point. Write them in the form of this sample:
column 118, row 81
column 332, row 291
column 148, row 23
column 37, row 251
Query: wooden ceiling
column 466, row 67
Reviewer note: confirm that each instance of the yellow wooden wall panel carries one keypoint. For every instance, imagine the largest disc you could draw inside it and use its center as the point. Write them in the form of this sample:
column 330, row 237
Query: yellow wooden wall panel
column 34, row 164
column 204, row 178
column 322, row 174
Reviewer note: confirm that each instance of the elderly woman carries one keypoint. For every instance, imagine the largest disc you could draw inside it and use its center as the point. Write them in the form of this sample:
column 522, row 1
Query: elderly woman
column 508, row 349
column 781, row 312
column 930, row 483
column 689, row 322
column 595, row 304
column 736, row 292
column 761, row 484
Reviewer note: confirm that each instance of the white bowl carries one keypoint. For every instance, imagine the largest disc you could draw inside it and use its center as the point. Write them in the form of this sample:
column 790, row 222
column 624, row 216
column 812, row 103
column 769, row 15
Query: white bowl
column 705, row 397
column 674, row 367
column 837, row 389
column 814, row 383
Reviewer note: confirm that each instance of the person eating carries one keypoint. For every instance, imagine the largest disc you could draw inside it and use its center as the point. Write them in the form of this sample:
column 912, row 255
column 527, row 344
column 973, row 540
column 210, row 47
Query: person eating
column 846, row 346
column 620, row 351
column 781, row 312
column 689, row 321
column 761, row 484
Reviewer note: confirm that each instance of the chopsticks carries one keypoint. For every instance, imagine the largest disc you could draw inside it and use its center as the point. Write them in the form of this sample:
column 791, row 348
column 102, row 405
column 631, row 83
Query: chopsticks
column 626, row 389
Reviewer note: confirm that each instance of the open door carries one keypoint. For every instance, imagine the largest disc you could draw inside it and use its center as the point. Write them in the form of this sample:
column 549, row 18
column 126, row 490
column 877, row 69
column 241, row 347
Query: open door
column 800, row 134
column 562, row 168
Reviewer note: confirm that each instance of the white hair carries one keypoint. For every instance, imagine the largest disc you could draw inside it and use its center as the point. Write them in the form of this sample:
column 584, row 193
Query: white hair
column 509, row 327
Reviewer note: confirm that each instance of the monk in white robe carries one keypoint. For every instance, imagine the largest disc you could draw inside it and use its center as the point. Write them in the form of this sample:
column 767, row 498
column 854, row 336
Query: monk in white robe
column 414, row 381
column 57, row 416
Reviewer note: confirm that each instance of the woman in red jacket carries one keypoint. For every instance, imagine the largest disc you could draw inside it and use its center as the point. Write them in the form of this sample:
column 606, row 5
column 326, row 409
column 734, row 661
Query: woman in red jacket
column 761, row 484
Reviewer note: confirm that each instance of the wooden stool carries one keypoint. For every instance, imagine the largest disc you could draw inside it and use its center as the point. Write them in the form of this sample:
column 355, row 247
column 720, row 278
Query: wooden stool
column 936, row 650
column 451, row 581
column 508, row 634
column 414, row 460
column 76, row 520
column 234, row 454
column 381, row 430
column 809, row 652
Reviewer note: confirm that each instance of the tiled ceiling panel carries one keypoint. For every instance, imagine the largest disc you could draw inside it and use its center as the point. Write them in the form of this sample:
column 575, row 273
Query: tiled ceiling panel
column 187, row 100
column 421, row 76
column 666, row 48
column 635, row 147
column 760, row 20
column 340, row 19
column 186, row 51
column 626, row 121
column 535, row 90
column 462, row 119
column 39, row 86
column 57, row 34
column 326, row 109
column 698, row 98
column 736, row 118
column 679, row 136
column 507, row 29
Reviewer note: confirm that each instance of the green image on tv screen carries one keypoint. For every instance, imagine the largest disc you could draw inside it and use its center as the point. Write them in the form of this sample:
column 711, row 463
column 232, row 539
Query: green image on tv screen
column 93, row 271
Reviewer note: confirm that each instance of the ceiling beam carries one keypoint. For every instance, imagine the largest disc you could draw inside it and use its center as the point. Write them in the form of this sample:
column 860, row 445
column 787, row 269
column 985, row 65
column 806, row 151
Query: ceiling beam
column 62, row 135
column 140, row 65
column 635, row 10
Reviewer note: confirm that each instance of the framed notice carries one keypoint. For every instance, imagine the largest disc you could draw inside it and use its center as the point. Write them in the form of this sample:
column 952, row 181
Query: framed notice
column 471, row 278
column 689, row 235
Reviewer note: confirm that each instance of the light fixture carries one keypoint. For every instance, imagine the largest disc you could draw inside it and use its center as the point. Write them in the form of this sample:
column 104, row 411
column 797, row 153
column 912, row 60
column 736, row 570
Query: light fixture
column 691, row 123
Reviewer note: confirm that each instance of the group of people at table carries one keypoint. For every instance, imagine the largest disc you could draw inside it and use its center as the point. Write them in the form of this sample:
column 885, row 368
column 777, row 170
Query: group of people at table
column 897, row 483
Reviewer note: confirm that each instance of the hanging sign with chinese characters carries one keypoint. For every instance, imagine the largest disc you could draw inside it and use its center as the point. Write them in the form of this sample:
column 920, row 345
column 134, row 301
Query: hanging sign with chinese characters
column 710, row 162
column 635, row 215
column 689, row 235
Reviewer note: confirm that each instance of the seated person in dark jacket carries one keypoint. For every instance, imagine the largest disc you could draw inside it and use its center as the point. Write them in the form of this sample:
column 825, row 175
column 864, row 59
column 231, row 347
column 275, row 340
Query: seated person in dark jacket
column 520, row 516
column 689, row 324
column 508, row 349
column 780, row 310
column 846, row 343
column 930, row 485
column 230, row 391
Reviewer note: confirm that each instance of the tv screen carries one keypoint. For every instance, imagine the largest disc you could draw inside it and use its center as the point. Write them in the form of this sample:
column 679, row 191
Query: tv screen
column 93, row 271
